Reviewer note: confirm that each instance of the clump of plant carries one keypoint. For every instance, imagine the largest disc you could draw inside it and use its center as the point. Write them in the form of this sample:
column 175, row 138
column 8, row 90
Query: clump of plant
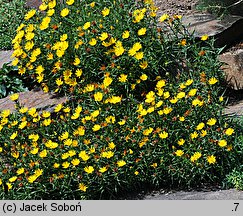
column 12, row 14
column 144, row 104
column 10, row 81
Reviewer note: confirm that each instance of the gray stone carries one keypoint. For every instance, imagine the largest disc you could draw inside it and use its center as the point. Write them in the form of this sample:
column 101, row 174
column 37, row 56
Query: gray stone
column 225, row 31
column 233, row 68
column 5, row 57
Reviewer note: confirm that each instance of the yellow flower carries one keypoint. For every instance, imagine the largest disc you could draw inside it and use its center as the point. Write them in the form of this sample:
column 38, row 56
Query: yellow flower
column 194, row 135
column 179, row 153
column 195, row 156
column 163, row 17
column 92, row 42
column 46, row 114
column 70, row 2
column 75, row 162
column 34, row 151
column 43, row 7
column 143, row 65
column 64, row 135
column 20, row 171
column 204, row 37
column 92, row 4
column 192, row 92
column 136, row 172
column 13, row 179
column 181, row 141
column 229, row 131
column 98, row 96
column 222, row 143
column 58, row 108
column 122, row 122
column 14, row 97
column 142, row 31
column 47, row 122
column 86, row 25
column 181, row 95
column 30, row 14
column 200, row 126
column 52, row 4
column 203, row 133
column 211, row 159
column 125, row 34
column 163, row 135
column 105, row 12
column 78, row 72
column 96, row 127
column 148, row 131
column 103, row 36
column 211, row 121
column 22, row 125
column 83, row 155
column 64, row 12
column 138, row 55
column 118, row 48
column 107, row 81
column 32, row 178
column 82, row 187
column 43, row 153
column 143, row 77
column 59, row 82
column 14, row 135
column 189, row 82
column 15, row 154
column 122, row 78
column 89, row 169
column 212, row 81
column 65, row 164
column 76, row 61
column 121, row 163
column 50, row 12
column 51, row 145
column 103, row 169
column 56, row 165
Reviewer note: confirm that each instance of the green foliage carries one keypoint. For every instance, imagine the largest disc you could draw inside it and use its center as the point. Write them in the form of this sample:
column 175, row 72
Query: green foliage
column 145, row 104
column 12, row 13
column 10, row 81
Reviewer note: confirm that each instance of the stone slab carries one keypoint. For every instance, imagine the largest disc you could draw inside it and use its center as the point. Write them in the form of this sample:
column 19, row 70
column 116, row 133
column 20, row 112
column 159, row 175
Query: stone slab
column 5, row 57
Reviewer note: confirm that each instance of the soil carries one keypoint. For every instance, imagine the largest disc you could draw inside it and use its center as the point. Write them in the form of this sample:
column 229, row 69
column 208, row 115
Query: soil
column 176, row 7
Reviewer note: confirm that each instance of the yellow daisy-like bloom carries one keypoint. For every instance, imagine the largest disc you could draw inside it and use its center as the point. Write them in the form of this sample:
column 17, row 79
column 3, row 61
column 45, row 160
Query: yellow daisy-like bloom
column 89, row 169
column 179, row 153
column 83, row 155
column 96, row 127
column 14, row 97
column 211, row 121
column 34, row 151
column 43, row 7
column 204, row 37
column 30, row 14
column 122, row 78
column 200, row 126
column 211, row 159
column 47, row 122
column 181, row 95
column 148, row 131
column 13, row 179
column 76, row 61
column 15, row 154
column 143, row 77
column 125, row 34
column 107, row 81
column 58, row 108
column 75, row 162
column 164, row 17
column 70, row 2
column 195, row 156
column 65, row 164
column 103, row 169
column 46, row 114
column 181, row 142
column 56, row 165
column 222, row 143
column 64, row 135
column 105, row 12
column 192, row 92
column 50, row 12
column 79, row 72
column 229, row 131
column 194, row 135
column 92, row 4
column 121, row 163
column 203, row 133
column 136, row 172
column 32, row 178
column 52, row 4
column 20, row 171
column 14, row 135
column 86, row 25
column 163, row 135
column 103, row 36
column 92, row 42
column 142, row 31
column 138, row 55
column 212, row 81
column 64, row 12
column 118, row 48
column 82, row 187
column 43, row 153
column 59, row 82
column 143, row 65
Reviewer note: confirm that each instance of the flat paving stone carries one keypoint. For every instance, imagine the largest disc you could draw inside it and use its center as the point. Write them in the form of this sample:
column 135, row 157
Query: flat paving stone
column 5, row 57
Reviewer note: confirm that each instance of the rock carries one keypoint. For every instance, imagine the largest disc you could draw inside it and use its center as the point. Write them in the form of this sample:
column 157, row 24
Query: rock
column 234, row 110
column 233, row 68
column 5, row 57
column 33, row 3
column 34, row 98
column 225, row 31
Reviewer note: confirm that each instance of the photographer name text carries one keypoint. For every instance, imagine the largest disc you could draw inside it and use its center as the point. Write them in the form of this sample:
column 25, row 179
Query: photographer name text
column 41, row 207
